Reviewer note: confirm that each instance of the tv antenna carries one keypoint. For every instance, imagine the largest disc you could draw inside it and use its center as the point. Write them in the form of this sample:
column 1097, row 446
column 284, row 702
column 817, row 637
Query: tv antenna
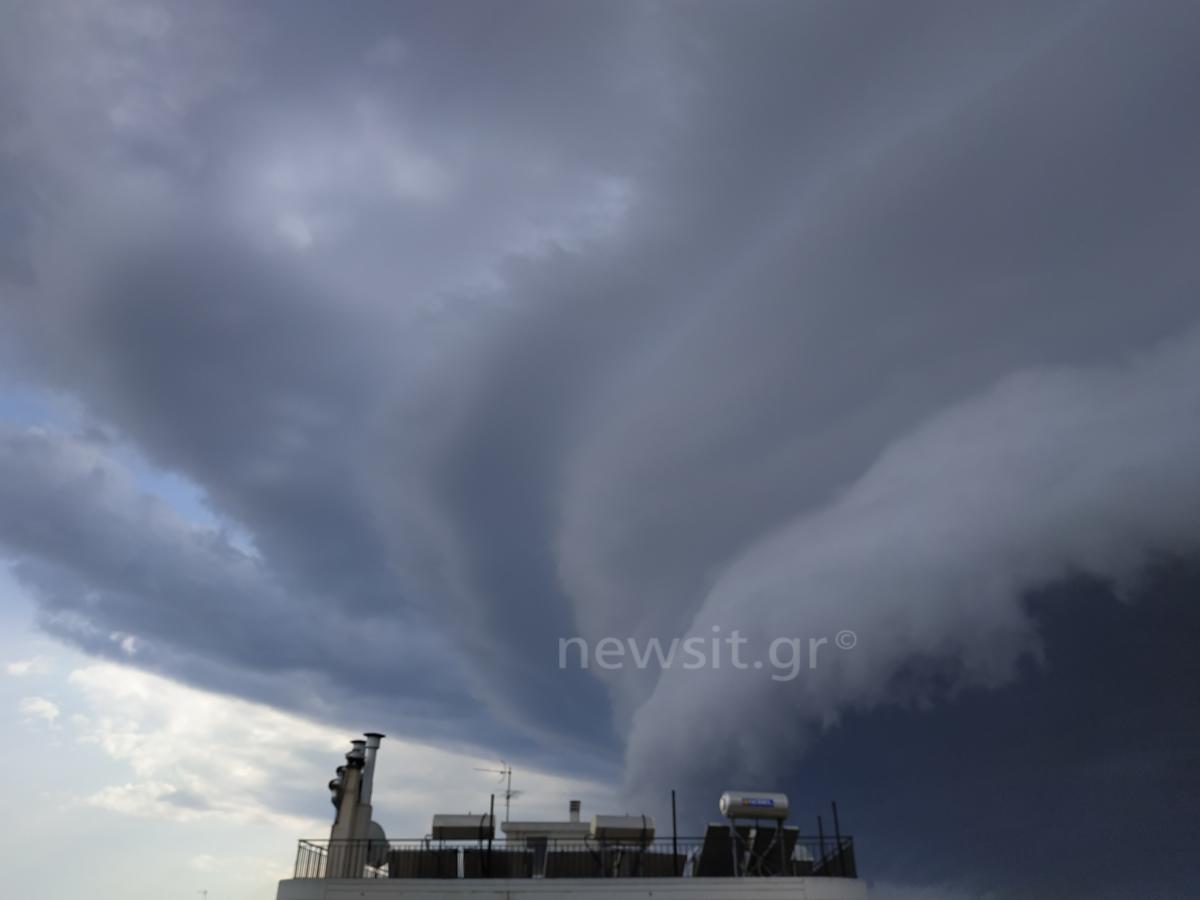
column 505, row 772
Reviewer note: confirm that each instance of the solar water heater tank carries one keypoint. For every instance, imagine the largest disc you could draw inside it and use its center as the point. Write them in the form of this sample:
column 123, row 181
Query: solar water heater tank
column 754, row 805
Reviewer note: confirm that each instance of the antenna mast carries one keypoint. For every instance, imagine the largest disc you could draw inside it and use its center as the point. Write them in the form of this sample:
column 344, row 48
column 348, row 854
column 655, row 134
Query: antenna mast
column 505, row 772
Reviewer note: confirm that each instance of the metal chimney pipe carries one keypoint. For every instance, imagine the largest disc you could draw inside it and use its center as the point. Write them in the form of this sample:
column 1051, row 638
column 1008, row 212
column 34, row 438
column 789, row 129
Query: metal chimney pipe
column 574, row 807
column 373, row 739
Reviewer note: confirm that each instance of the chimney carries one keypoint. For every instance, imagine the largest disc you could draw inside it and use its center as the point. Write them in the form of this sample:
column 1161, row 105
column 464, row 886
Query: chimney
column 368, row 779
column 574, row 807
column 345, row 827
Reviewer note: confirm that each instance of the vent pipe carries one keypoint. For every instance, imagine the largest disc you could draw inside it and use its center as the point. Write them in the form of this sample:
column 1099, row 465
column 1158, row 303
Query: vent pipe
column 574, row 807
column 368, row 782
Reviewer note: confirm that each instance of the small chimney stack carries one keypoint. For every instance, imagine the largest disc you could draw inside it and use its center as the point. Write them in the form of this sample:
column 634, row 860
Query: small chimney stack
column 368, row 779
column 574, row 807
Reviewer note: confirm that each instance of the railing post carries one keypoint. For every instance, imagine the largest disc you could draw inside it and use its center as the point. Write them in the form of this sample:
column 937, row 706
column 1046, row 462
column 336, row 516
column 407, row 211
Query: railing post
column 821, row 838
column 674, row 839
column 837, row 835
column 487, row 871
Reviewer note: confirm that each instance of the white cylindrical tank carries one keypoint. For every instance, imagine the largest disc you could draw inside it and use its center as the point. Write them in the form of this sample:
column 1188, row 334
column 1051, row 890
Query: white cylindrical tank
column 623, row 828
column 754, row 805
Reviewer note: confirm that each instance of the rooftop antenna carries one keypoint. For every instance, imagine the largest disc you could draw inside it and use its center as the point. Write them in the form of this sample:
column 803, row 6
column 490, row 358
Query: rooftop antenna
column 505, row 772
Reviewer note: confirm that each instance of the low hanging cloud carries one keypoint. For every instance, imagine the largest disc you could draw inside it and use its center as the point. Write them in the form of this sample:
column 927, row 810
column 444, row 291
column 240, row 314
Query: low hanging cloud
column 927, row 558
column 466, row 335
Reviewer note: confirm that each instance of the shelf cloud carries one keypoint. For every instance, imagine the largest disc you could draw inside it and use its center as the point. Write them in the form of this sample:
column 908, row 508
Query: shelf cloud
column 352, row 362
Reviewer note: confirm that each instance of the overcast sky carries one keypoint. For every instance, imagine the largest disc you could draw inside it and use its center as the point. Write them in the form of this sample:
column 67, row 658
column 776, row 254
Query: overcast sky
column 353, row 357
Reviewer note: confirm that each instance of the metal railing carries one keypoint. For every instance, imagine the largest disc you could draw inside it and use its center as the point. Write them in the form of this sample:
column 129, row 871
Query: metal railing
column 737, row 856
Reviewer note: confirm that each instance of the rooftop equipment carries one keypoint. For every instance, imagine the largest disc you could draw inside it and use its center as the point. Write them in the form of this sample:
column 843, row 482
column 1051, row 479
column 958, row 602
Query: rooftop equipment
column 463, row 828
column 639, row 829
column 377, row 846
column 754, row 805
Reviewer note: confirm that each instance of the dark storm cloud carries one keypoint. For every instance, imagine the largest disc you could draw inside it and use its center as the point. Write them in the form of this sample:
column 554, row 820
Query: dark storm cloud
column 1089, row 757
column 493, row 326
column 259, row 366
column 121, row 573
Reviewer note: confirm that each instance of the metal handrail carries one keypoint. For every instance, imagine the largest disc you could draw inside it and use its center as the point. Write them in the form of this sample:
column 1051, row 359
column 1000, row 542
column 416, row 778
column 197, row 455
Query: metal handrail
column 816, row 857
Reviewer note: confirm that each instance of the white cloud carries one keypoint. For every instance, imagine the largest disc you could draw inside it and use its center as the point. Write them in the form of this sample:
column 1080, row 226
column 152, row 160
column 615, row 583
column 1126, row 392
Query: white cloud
column 239, row 868
column 146, row 798
column 196, row 755
column 127, row 642
column 36, row 665
column 40, row 708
